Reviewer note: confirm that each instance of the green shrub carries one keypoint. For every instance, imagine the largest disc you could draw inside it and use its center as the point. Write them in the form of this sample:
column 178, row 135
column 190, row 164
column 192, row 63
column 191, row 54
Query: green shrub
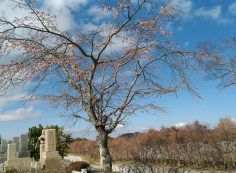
column 77, row 166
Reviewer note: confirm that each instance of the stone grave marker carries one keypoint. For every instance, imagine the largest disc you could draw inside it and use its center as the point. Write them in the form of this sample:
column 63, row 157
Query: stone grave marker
column 49, row 158
column 20, row 164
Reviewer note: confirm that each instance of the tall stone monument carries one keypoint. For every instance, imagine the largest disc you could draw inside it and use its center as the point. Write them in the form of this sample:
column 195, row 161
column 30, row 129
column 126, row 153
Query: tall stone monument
column 49, row 158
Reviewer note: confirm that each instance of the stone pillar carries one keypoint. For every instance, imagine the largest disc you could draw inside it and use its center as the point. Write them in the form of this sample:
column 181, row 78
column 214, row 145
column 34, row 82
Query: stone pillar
column 11, row 151
column 15, row 140
column 49, row 144
column 50, row 140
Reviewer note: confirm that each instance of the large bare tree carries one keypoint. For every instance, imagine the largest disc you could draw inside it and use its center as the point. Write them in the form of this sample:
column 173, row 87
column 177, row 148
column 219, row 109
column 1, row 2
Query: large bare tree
column 101, row 76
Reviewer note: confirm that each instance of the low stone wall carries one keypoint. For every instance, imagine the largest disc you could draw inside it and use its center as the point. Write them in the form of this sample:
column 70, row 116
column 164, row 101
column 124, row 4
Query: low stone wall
column 139, row 168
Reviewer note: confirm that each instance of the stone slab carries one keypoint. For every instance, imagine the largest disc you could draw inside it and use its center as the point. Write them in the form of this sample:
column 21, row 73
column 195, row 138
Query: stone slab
column 11, row 151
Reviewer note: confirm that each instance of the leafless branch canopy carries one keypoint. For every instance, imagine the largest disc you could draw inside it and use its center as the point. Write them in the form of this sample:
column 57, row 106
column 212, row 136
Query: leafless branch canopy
column 220, row 61
column 101, row 74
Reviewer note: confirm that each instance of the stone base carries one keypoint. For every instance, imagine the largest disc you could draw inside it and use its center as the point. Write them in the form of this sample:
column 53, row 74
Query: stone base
column 50, row 154
column 20, row 164
column 50, row 164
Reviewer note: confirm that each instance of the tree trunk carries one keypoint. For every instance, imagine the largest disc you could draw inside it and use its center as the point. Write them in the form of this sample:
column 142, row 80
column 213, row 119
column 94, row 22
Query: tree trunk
column 105, row 157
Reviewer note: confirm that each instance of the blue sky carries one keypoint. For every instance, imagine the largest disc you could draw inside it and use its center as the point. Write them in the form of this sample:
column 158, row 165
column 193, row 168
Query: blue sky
column 200, row 20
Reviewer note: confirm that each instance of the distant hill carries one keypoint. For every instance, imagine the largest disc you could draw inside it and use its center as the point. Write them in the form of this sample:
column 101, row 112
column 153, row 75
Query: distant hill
column 129, row 135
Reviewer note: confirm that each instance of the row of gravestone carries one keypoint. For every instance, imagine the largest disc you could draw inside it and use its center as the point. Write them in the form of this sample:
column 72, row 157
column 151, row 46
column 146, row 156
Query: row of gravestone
column 16, row 154
column 21, row 147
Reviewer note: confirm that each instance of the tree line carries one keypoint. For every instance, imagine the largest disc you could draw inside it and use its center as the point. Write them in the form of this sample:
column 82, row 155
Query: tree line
column 194, row 145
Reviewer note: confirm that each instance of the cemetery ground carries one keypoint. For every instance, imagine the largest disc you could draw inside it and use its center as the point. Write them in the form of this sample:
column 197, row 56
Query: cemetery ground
column 193, row 148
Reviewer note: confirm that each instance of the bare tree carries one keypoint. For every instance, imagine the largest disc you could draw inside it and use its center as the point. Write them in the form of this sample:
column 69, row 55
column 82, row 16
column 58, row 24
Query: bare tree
column 101, row 75
column 221, row 61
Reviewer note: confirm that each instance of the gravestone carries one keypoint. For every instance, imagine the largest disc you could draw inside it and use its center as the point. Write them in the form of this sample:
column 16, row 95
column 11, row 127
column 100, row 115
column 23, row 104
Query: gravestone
column 23, row 146
column 20, row 164
column 49, row 158
column 11, row 151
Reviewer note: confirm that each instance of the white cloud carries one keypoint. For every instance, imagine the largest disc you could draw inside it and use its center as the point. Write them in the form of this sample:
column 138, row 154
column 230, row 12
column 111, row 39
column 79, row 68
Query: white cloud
column 97, row 13
column 62, row 4
column 8, row 11
column 12, row 98
column 5, row 100
column 19, row 114
column 186, row 44
column 180, row 28
column 62, row 10
column 13, row 95
column 225, row 21
column 232, row 8
column 179, row 125
column 88, row 27
column 184, row 6
column 213, row 13
column 119, row 43
column 120, row 126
